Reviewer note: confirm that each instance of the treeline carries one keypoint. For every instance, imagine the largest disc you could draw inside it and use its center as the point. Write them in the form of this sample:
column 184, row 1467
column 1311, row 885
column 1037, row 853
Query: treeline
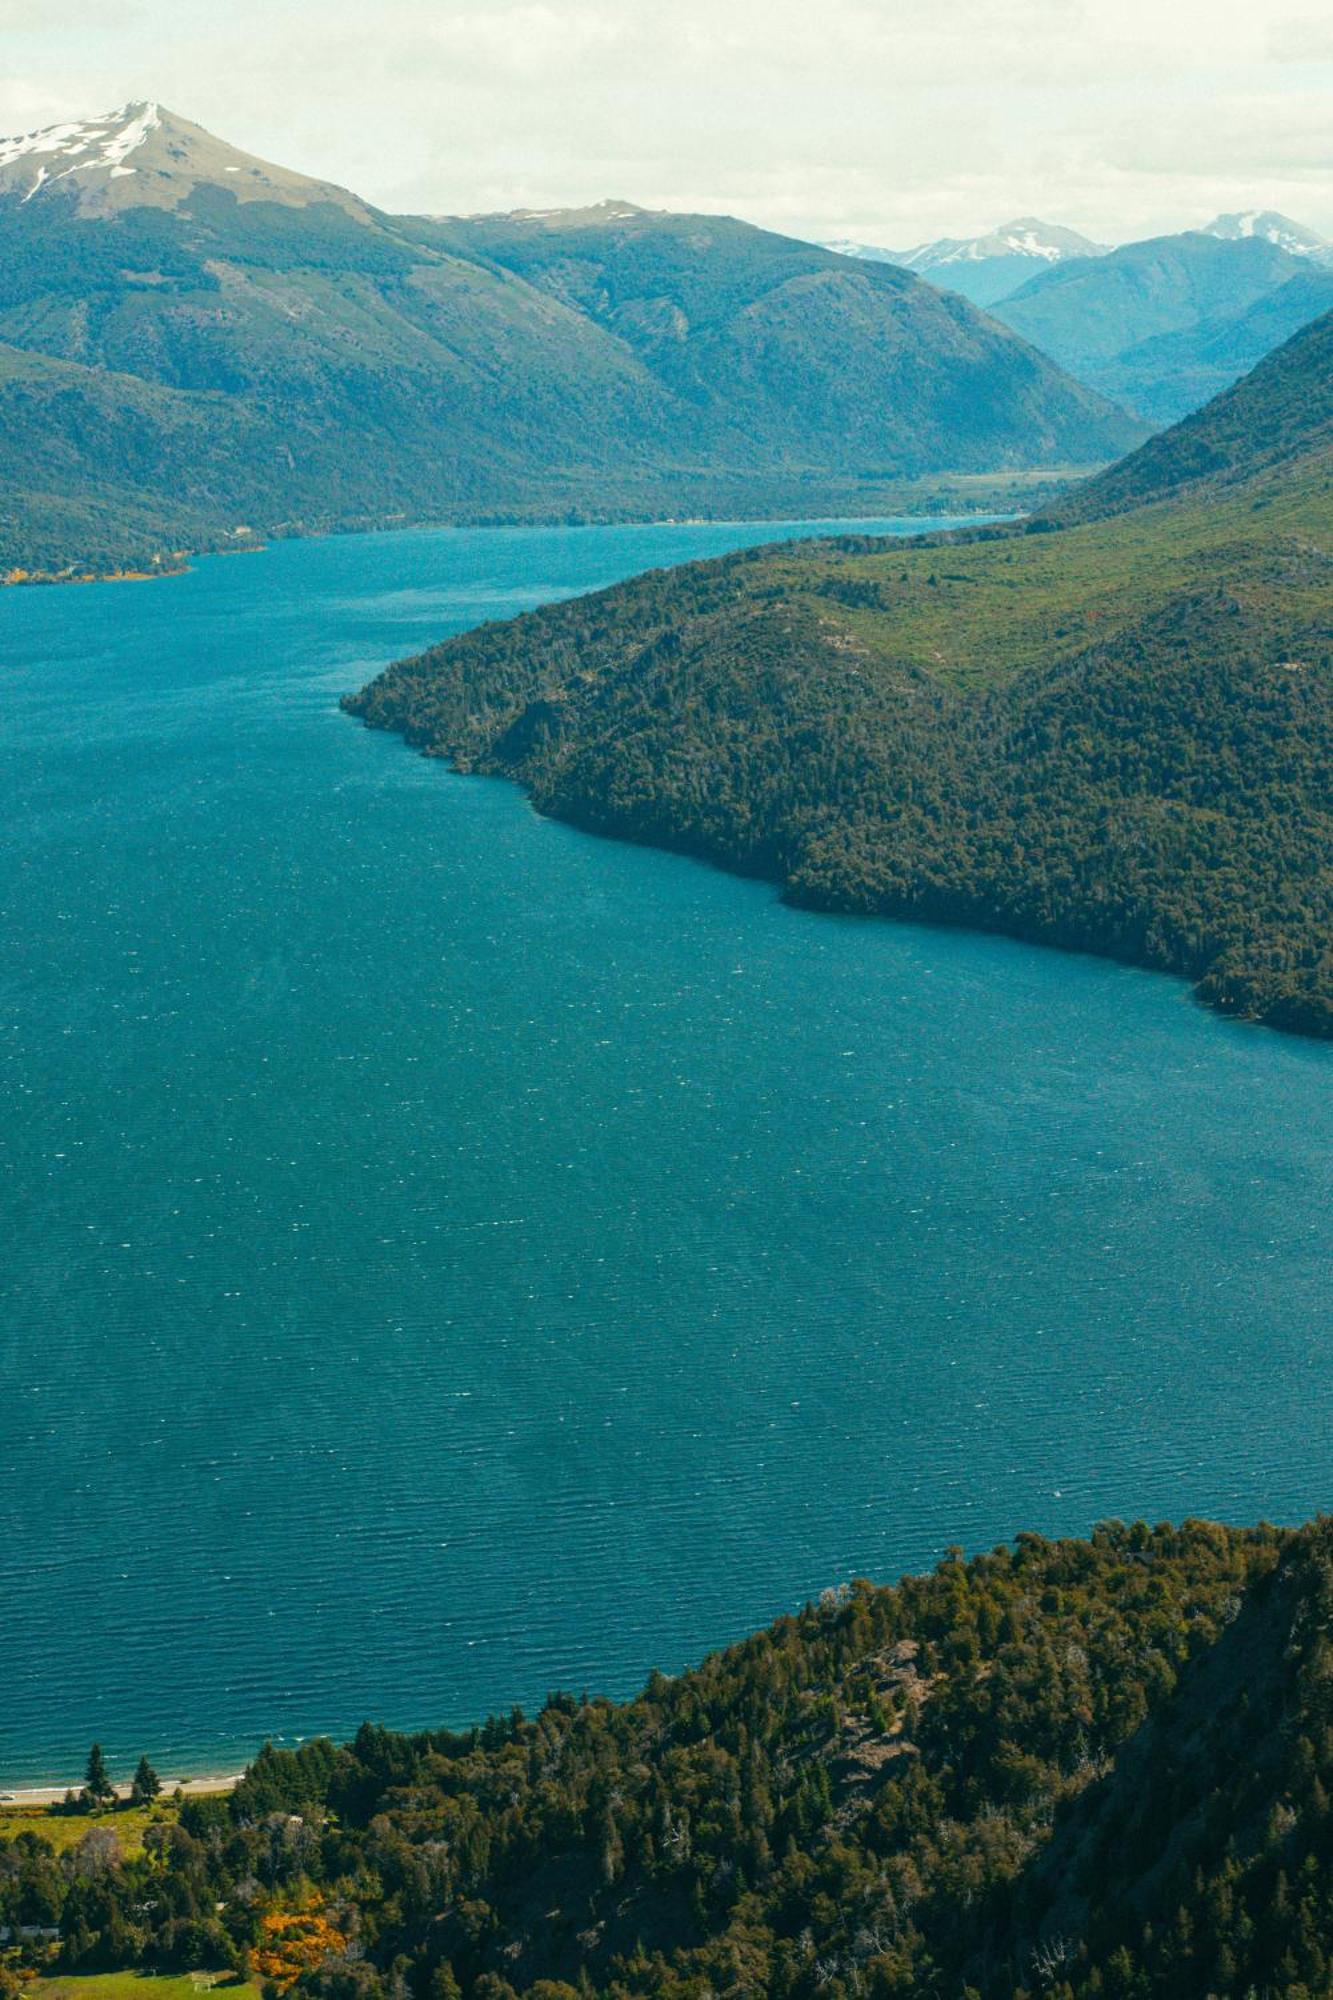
column 1093, row 1770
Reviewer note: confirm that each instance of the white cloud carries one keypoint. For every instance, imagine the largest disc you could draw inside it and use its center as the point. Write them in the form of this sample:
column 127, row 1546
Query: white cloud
column 874, row 117
column 1302, row 35
column 494, row 43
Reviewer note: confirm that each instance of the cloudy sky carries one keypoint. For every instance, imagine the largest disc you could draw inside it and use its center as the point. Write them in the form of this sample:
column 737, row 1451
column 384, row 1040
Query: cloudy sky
column 879, row 119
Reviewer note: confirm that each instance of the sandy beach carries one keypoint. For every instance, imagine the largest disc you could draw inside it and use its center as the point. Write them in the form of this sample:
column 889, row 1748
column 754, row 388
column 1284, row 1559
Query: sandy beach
column 51, row 1795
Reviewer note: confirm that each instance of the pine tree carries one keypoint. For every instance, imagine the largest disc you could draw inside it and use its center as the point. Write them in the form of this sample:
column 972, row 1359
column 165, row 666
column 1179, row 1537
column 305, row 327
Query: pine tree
column 146, row 1785
column 97, row 1786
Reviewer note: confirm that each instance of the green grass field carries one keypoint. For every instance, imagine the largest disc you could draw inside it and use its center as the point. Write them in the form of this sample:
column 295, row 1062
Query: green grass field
column 140, row 1986
column 67, row 1829
column 63, row 1830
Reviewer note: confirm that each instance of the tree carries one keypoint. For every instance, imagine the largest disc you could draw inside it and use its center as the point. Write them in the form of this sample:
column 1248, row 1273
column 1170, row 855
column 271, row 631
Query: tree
column 146, row 1784
column 97, row 1786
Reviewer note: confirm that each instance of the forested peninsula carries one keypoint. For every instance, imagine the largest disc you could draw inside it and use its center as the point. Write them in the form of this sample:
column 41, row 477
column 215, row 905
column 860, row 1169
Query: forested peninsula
column 1110, row 729
column 1092, row 1770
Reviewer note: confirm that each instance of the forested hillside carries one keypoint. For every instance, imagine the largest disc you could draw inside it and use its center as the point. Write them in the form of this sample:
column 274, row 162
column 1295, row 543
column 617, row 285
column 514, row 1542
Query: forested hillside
column 1093, row 1770
column 1116, row 737
column 764, row 337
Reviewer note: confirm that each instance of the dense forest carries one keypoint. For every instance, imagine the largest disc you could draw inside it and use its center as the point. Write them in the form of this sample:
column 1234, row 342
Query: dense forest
column 1094, row 1770
column 1111, row 731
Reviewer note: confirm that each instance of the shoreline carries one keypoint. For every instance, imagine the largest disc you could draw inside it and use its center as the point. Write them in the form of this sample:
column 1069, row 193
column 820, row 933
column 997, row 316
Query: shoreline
column 993, row 924
column 36, row 1797
column 975, row 504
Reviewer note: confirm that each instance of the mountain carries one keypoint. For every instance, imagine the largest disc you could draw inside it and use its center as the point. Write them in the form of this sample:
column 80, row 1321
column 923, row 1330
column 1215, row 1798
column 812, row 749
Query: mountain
column 1093, row 1769
column 1114, row 736
column 197, row 348
column 1271, row 227
column 1109, row 321
column 847, row 246
column 143, row 156
column 1272, row 428
column 1173, row 373
column 760, row 336
column 988, row 268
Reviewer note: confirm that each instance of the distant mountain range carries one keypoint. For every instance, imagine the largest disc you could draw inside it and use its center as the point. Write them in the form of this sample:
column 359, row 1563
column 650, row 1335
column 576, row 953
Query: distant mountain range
column 1164, row 325
column 1271, row 430
column 1158, row 326
column 986, row 268
column 1115, row 735
column 197, row 347
column 989, row 268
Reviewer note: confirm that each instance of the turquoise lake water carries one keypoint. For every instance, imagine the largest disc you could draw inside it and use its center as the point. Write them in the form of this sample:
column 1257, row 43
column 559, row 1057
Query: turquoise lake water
column 445, row 1257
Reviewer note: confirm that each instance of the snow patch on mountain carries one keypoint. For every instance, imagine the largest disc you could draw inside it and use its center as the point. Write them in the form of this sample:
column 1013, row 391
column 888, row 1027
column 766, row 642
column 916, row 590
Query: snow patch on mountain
column 602, row 211
column 1270, row 227
column 869, row 253
column 105, row 141
column 1044, row 242
column 91, row 145
column 1027, row 243
column 143, row 119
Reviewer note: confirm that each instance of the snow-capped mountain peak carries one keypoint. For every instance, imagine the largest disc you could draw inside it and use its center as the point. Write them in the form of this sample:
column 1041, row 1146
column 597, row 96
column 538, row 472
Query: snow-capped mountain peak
column 144, row 155
column 1043, row 242
column 1270, row 227
column 984, row 267
column 90, row 145
column 848, row 246
column 1029, row 238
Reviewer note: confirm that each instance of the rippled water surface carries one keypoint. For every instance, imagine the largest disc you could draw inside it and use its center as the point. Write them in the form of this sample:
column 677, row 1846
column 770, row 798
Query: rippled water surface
column 445, row 1257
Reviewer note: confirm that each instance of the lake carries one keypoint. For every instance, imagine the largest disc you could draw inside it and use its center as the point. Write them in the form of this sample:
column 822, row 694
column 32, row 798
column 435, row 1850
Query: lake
column 446, row 1257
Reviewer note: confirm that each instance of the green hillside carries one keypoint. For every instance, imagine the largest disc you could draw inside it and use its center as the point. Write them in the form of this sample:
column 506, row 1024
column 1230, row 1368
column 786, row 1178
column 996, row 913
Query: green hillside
column 764, row 337
column 243, row 348
column 1117, row 737
column 1095, row 1770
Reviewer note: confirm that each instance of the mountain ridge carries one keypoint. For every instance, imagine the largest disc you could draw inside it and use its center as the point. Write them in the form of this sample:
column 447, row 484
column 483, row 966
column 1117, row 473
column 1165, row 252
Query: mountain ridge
column 994, row 267
column 988, row 267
